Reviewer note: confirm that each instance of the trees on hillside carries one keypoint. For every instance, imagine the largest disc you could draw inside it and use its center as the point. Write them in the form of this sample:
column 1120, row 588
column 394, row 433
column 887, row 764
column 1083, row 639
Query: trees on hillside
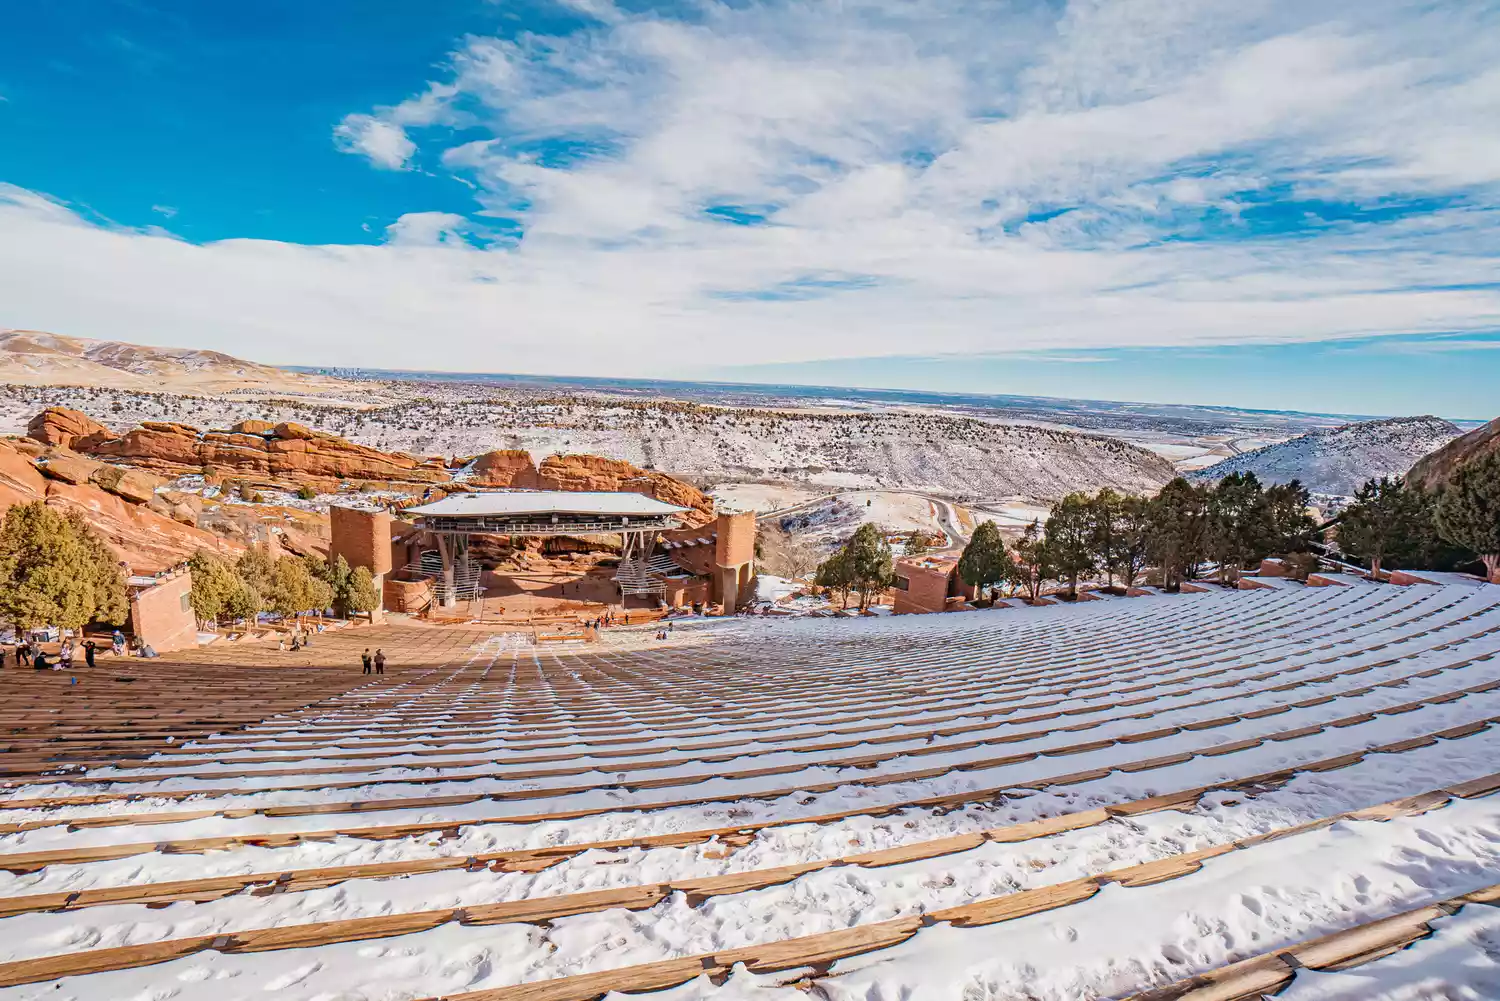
column 871, row 566
column 1389, row 520
column 835, row 575
column 56, row 571
column 1289, row 527
column 218, row 592
column 1032, row 568
column 255, row 567
column 863, row 565
column 916, row 544
column 288, row 586
column 293, row 590
column 985, row 561
column 1176, row 526
column 1238, row 522
column 1070, row 539
column 362, row 596
column 1468, row 511
column 1127, row 547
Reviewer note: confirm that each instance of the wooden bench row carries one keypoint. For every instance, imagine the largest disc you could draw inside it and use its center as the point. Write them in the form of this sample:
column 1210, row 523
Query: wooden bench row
column 993, row 910
column 25, row 862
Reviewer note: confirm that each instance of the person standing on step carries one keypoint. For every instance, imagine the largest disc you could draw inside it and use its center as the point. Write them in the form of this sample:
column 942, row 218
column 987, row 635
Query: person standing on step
column 379, row 661
column 366, row 660
column 88, row 652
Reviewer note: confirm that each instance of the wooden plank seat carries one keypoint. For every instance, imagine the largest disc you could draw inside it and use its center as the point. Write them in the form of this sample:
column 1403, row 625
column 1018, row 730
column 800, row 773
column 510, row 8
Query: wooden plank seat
column 986, row 911
column 672, row 781
column 24, row 862
column 1142, row 686
column 626, row 767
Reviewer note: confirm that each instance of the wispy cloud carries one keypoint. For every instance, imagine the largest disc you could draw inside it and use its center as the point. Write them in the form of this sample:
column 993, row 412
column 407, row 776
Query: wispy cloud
column 1001, row 178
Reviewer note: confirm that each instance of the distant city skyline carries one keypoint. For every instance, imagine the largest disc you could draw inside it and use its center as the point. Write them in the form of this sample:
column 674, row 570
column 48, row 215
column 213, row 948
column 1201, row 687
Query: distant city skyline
column 1271, row 206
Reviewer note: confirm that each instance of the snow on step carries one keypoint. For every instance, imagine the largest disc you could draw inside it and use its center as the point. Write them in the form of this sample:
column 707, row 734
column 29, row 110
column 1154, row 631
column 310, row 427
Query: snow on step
column 1345, row 670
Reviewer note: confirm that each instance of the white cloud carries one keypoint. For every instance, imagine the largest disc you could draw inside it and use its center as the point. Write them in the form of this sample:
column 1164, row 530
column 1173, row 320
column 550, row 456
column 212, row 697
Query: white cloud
column 384, row 142
column 427, row 229
column 988, row 177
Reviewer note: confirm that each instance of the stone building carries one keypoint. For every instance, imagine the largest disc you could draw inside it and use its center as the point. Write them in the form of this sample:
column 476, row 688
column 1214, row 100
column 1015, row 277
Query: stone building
column 929, row 584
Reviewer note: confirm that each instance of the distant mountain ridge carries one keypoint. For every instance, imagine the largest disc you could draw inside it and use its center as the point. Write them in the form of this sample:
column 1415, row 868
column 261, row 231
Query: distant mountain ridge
column 38, row 358
column 1338, row 460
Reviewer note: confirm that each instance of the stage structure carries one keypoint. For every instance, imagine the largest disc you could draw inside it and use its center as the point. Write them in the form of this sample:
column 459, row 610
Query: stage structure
column 634, row 517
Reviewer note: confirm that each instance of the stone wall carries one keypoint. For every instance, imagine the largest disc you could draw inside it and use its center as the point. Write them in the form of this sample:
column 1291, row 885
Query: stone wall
column 932, row 585
column 161, row 617
column 362, row 537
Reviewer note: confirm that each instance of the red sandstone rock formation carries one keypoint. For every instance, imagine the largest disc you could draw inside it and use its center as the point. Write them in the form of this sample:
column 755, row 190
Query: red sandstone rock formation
column 510, row 467
column 144, row 538
column 514, row 468
column 286, row 452
column 59, row 426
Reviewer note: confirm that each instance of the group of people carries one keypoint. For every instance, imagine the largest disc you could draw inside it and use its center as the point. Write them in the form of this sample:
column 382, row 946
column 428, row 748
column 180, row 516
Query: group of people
column 608, row 619
column 29, row 653
column 300, row 638
column 377, row 661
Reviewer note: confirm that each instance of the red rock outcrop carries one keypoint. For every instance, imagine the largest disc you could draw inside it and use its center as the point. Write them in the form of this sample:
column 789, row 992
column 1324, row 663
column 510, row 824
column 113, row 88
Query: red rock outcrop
column 142, row 537
column 59, row 426
column 287, row 452
column 593, row 472
column 510, row 467
column 513, row 468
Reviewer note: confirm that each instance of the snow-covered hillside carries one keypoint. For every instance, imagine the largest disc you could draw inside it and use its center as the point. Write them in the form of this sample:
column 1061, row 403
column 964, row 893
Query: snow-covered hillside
column 1337, row 461
column 957, row 457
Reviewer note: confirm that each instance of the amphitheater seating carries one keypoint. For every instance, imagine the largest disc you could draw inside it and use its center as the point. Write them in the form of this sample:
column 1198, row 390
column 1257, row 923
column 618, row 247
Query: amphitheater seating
column 813, row 799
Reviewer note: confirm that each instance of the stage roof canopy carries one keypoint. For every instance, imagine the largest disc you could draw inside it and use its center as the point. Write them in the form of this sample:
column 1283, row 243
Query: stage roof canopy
column 513, row 503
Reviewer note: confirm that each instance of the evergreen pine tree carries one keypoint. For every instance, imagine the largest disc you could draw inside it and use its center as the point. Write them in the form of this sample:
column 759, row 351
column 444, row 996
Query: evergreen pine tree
column 214, row 582
column 1070, row 539
column 1032, row 566
column 1288, row 526
column 361, row 595
column 834, row 574
column 1387, row 521
column 1177, row 532
column 1468, row 511
column 1105, row 511
column 871, row 567
column 1238, row 523
column 1129, row 549
column 985, row 561
column 56, row 571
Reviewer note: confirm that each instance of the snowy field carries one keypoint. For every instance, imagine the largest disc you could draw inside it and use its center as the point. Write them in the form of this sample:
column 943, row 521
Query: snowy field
column 1276, row 790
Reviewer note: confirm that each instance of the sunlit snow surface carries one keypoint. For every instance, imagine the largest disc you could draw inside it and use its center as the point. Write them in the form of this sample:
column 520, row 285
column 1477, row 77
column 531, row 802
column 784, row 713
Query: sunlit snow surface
column 735, row 720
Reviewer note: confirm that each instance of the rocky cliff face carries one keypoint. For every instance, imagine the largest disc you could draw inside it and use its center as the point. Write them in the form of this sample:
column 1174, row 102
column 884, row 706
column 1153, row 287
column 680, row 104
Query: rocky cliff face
column 145, row 537
column 1338, row 460
column 287, row 453
column 1436, row 467
column 514, row 468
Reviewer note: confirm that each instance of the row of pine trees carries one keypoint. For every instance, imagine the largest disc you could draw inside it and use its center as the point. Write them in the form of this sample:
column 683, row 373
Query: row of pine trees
column 1189, row 530
column 55, row 570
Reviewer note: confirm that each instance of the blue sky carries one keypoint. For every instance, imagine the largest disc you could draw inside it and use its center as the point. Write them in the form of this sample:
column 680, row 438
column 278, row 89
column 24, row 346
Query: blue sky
column 1275, row 205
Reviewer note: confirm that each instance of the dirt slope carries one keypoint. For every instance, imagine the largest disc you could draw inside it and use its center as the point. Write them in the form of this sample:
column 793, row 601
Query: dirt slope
column 37, row 358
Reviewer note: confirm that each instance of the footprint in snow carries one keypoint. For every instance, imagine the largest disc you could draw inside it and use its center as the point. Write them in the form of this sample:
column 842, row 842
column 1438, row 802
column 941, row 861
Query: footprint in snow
column 292, row 977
